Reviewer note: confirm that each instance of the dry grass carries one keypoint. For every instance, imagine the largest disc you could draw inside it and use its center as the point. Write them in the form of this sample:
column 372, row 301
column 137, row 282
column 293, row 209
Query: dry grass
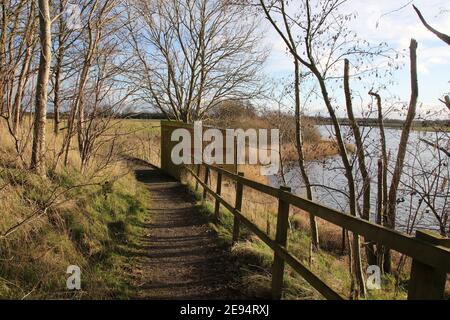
column 141, row 139
column 75, row 229
column 330, row 234
column 313, row 151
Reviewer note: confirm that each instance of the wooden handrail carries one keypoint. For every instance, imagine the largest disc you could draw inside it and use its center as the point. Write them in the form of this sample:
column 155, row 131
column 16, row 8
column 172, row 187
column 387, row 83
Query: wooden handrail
column 295, row 263
column 431, row 259
column 434, row 255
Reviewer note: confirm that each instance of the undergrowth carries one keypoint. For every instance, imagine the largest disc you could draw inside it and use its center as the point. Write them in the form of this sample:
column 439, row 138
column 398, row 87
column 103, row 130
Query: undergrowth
column 86, row 225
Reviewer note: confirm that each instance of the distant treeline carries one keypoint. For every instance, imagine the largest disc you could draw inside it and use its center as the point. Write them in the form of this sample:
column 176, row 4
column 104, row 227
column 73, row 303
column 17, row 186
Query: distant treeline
column 387, row 122
column 393, row 123
column 143, row 115
column 130, row 115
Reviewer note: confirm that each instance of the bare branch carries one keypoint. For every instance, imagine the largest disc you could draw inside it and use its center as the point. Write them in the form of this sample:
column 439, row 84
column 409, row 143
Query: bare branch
column 438, row 34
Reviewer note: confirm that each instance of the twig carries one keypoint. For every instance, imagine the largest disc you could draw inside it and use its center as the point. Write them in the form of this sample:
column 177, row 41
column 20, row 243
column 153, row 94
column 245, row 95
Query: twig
column 435, row 145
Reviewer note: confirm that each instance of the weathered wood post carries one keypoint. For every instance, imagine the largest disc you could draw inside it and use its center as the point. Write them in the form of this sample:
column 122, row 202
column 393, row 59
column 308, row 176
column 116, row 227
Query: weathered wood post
column 237, row 206
column 218, row 191
column 427, row 282
column 281, row 239
column 206, row 182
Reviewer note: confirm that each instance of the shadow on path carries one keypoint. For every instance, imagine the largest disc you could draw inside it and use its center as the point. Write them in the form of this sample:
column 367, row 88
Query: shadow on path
column 179, row 256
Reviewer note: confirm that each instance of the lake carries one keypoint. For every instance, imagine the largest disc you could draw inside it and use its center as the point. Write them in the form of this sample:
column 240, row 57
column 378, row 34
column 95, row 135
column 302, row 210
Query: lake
column 426, row 172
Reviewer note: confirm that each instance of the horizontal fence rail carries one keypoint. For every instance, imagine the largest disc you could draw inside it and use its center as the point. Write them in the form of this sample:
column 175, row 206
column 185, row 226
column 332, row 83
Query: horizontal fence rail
column 430, row 254
column 435, row 255
column 298, row 266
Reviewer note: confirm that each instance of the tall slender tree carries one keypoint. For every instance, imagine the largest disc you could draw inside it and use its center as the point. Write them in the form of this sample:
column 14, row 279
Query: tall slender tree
column 40, row 113
column 393, row 189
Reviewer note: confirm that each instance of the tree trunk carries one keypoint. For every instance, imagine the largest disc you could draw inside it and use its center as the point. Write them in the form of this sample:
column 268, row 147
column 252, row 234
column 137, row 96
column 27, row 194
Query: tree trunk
column 17, row 107
column 447, row 102
column 349, row 175
column 23, row 77
column 438, row 34
column 298, row 131
column 58, row 66
column 38, row 150
column 56, row 98
column 380, row 210
column 383, row 193
column 391, row 205
column 301, row 157
column 2, row 57
column 56, row 102
column 370, row 249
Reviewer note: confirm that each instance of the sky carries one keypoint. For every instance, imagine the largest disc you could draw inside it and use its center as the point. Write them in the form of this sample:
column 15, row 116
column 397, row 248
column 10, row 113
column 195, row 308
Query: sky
column 387, row 21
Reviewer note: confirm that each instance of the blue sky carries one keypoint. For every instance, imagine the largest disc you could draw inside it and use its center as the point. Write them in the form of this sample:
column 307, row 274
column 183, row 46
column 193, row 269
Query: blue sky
column 377, row 22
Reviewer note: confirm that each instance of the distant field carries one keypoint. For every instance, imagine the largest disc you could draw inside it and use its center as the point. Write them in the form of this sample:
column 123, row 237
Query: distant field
column 141, row 139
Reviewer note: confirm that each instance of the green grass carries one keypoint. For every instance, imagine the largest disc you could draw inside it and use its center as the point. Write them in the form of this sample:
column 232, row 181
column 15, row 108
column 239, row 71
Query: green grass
column 89, row 229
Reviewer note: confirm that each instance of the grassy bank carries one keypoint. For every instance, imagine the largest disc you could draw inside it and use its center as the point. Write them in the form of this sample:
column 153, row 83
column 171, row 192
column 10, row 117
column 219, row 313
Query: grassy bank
column 86, row 226
column 66, row 218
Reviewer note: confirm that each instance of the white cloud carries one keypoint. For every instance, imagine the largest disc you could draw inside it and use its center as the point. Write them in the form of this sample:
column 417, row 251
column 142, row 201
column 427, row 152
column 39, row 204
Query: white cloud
column 381, row 21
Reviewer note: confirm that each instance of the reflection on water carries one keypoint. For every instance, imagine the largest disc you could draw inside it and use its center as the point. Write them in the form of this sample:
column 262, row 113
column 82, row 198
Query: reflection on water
column 425, row 170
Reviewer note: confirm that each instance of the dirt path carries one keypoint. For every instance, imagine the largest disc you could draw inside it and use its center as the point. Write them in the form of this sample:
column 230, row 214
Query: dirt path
column 179, row 254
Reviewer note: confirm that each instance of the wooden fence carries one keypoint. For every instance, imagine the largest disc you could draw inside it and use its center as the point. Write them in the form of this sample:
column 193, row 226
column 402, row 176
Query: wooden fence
column 429, row 251
column 167, row 145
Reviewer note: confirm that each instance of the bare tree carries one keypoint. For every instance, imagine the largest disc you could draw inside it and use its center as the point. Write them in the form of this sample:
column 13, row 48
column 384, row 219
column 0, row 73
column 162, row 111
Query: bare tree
column 29, row 35
column 17, row 68
column 444, row 37
column 60, row 50
column 298, row 130
column 382, row 195
column 427, row 181
column 191, row 55
column 17, row 46
column 313, row 27
column 8, row 13
column 92, row 73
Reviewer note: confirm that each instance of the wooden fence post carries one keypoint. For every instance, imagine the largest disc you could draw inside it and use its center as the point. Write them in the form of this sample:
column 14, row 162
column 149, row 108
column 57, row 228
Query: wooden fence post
column 238, row 206
column 218, row 191
column 427, row 282
column 206, row 182
column 281, row 239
